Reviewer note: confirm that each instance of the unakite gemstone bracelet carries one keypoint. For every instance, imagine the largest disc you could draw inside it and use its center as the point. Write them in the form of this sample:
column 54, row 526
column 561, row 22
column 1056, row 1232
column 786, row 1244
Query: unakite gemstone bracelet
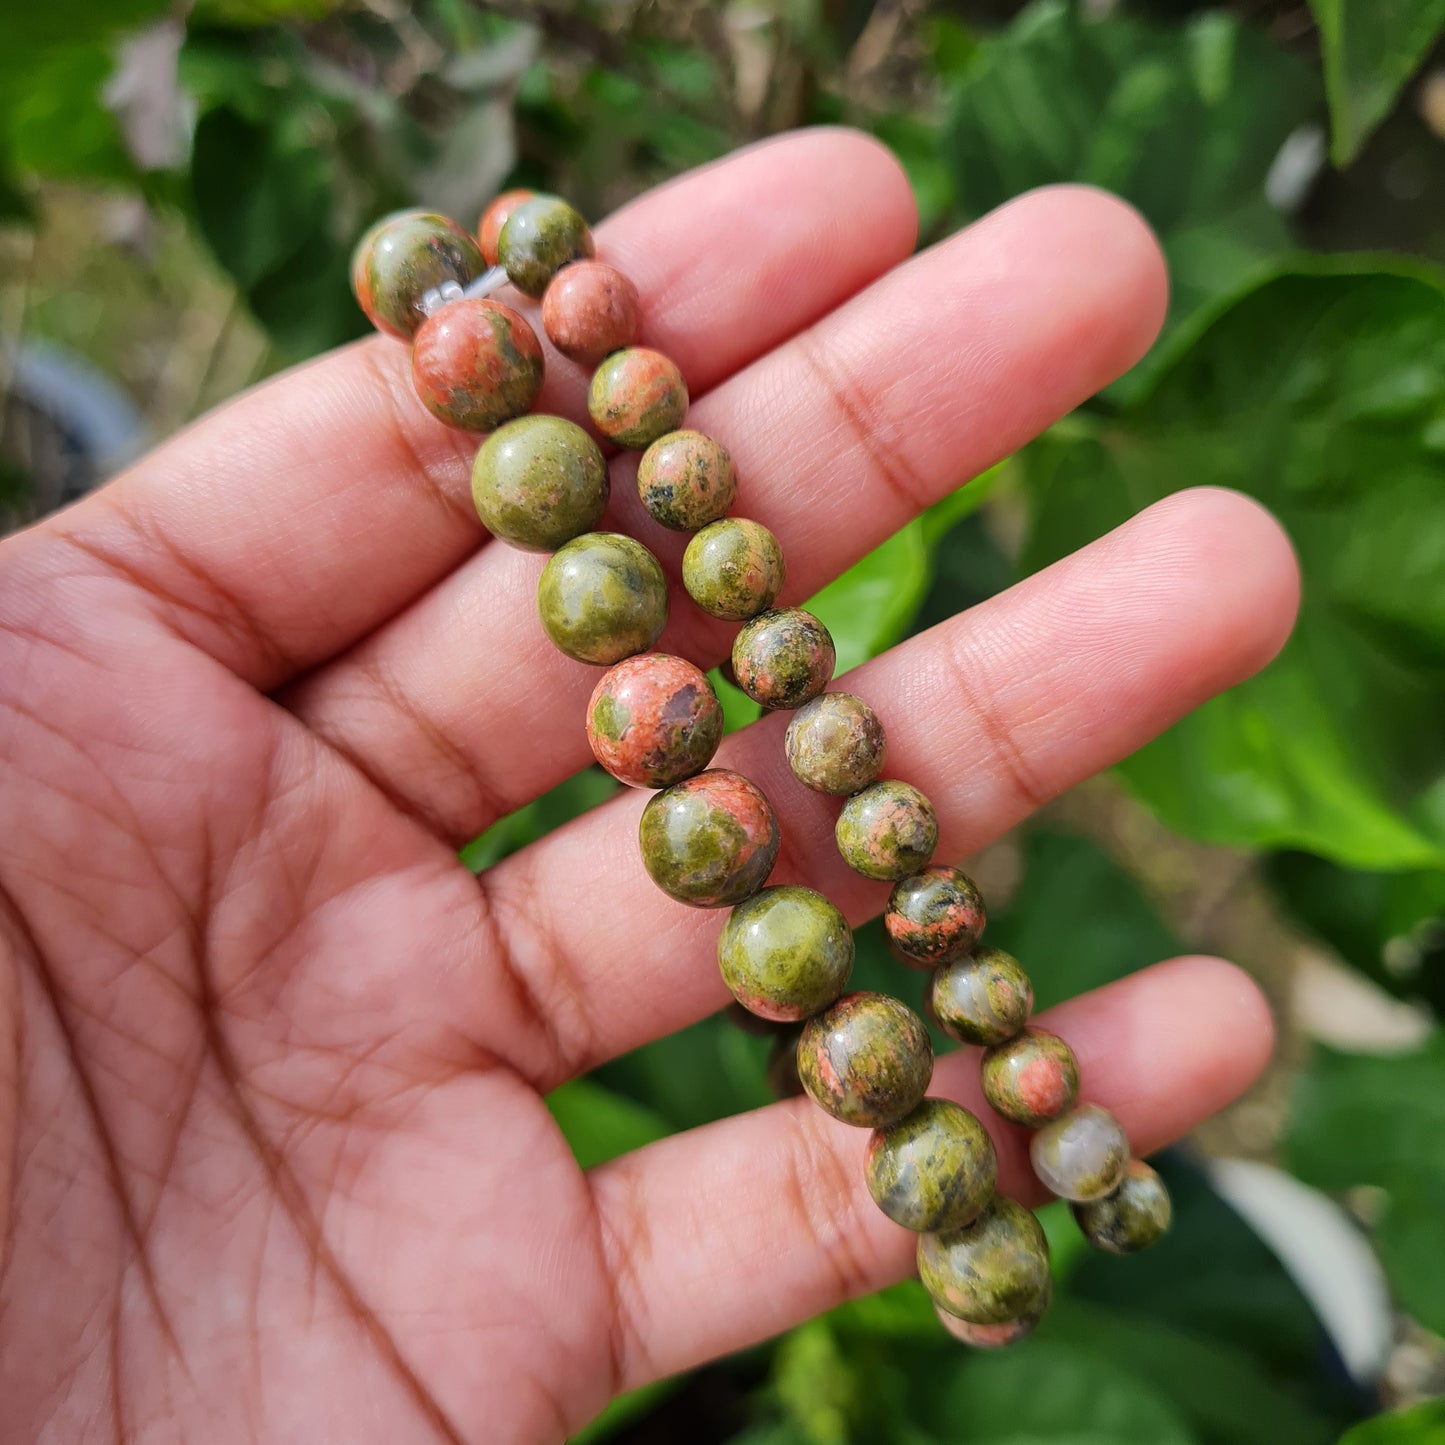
column 709, row 837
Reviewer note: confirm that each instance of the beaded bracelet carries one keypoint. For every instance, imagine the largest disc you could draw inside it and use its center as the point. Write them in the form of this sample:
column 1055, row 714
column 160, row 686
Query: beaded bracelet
column 709, row 837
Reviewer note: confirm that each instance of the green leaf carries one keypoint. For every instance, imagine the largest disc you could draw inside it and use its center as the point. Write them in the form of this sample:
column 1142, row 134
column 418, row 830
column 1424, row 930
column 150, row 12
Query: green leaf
column 600, row 1125
column 1423, row 1424
column 263, row 12
column 1378, row 1121
column 1371, row 48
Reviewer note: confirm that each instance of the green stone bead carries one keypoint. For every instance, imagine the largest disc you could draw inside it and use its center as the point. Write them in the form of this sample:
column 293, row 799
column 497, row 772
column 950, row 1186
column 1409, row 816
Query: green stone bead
column 686, row 480
column 782, row 1070
column 538, row 482
column 1081, row 1156
column 995, row 1337
column 991, row 1271
column 785, row 953
column 1031, row 1078
column 733, row 569
column 783, row 658
column 402, row 258
column 602, row 597
column 982, row 999
column 637, row 396
column 934, row 1169
column 866, row 1060
column 887, row 831
column 1132, row 1218
column 539, row 238
column 934, row 915
column 835, row 744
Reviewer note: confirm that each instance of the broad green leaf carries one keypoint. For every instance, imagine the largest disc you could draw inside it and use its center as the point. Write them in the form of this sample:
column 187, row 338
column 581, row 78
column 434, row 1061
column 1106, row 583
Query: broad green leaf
column 600, row 1125
column 1422, row 1424
column 1371, row 49
column 264, row 12
column 1379, row 1121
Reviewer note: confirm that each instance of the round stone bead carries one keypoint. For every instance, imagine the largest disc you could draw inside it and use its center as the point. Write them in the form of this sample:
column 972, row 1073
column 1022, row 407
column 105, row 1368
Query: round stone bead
column 934, row 1169
column 1030, row 1078
column 537, row 239
column 733, row 569
column 866, row 1060
column 538, row 482
column 835, row 744
column 887, row 831
column 1081, row 1156
column 995, row 1337
column 591, row 310
column 654, row 720
column 783, row 658
column 686, row 480
column 785, row 953
column 637, row 396
column 782, row 1070
column 402, row 258
column 1132, row 1218
column 476, row 364
column 991, row 1271
column 934, row 915
column 602, row 597
column 711, row 840
column 983, row 999
column 489, row 228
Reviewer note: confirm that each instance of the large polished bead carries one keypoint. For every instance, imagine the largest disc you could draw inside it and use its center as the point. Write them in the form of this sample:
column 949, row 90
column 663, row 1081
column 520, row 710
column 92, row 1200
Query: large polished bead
column 654, row 720
column 887, row 831
column 934, row 1169
column 835, row 744
column 401, row 259
column 1030, row 1078
column 711, row 840
column 983, row 998
column 489, row 228
column 1081, row 1156
column 1132, row 1218
column 602, row 597
column 733, row 569
column 785, row 953
column 934, row 915
column 991, row 1271
column 537, row 239
column 783, row 658
column 995, row 1337
column 476, row 364
column 538, row 482
column 636, row 396
column 866, row 1060
column 591, row 310
column 686, row 480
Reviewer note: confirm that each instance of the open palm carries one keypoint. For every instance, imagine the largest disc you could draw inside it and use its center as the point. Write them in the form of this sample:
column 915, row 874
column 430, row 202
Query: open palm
column 274, row 1160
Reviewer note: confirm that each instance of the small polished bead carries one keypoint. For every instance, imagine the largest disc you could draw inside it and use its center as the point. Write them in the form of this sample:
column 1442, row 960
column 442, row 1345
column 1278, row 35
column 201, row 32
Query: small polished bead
column 733, row 569
column 984, row 998
column 591, row 310
column 686, row 480
column 782, row 1069
column 991, row 1271
column 537, row 239
column 785, row 953
column 637, row 396
column 1081, row 1156
column 489, row 228
column 602, row 597
column 887, row 831
column 866, row 1060
column 783, row 658
column 1030, row 1078
column 1132, row 1218
column 404, row 257
column 835, row 744
column 654, row 720
column 711, row 840
column 996, row 1337
column 476, row 364
column 934, row 915
column 538, row 482
column 934, row 1169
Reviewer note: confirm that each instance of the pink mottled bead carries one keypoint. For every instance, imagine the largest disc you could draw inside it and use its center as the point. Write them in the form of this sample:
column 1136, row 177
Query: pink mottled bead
column 590, row 310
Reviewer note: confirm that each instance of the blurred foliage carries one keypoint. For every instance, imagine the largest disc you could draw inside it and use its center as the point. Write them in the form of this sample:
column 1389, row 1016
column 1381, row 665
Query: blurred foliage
column 1313, row 381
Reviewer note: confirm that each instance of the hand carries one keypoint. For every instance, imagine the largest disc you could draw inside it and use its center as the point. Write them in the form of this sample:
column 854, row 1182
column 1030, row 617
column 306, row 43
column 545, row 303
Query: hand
column 274, row 1160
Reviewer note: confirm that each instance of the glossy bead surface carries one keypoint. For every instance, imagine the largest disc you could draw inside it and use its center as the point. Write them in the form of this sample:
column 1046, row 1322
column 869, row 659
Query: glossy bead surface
column 783, row 658
column 538, row 482
column 1081, row 1156
column 785, row 953
column 711, row 840
column 887, row 831
column 1132, row 1218
column 537, row 239
column 934, row 915
column 995, row 1337
column 654, row 720
column 1031, row 1078
column 984, row 998
column 835, row 744
column 591, row 310
column 733, row 569
column 934, row 1169
column 489, row 228
column 637, row 396
column 476, row 364
column 991, row 1271
column 403, row 257
column 866, row 1060
column 686, row 480
column 602, row 597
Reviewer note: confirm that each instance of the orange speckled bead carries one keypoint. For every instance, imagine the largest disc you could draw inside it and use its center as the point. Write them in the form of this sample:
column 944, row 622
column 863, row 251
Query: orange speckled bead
column 489, row 228
column 1031, row 1078
column 476, row 364
column 590, row 310
column 654, row 720
column 636, row 396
